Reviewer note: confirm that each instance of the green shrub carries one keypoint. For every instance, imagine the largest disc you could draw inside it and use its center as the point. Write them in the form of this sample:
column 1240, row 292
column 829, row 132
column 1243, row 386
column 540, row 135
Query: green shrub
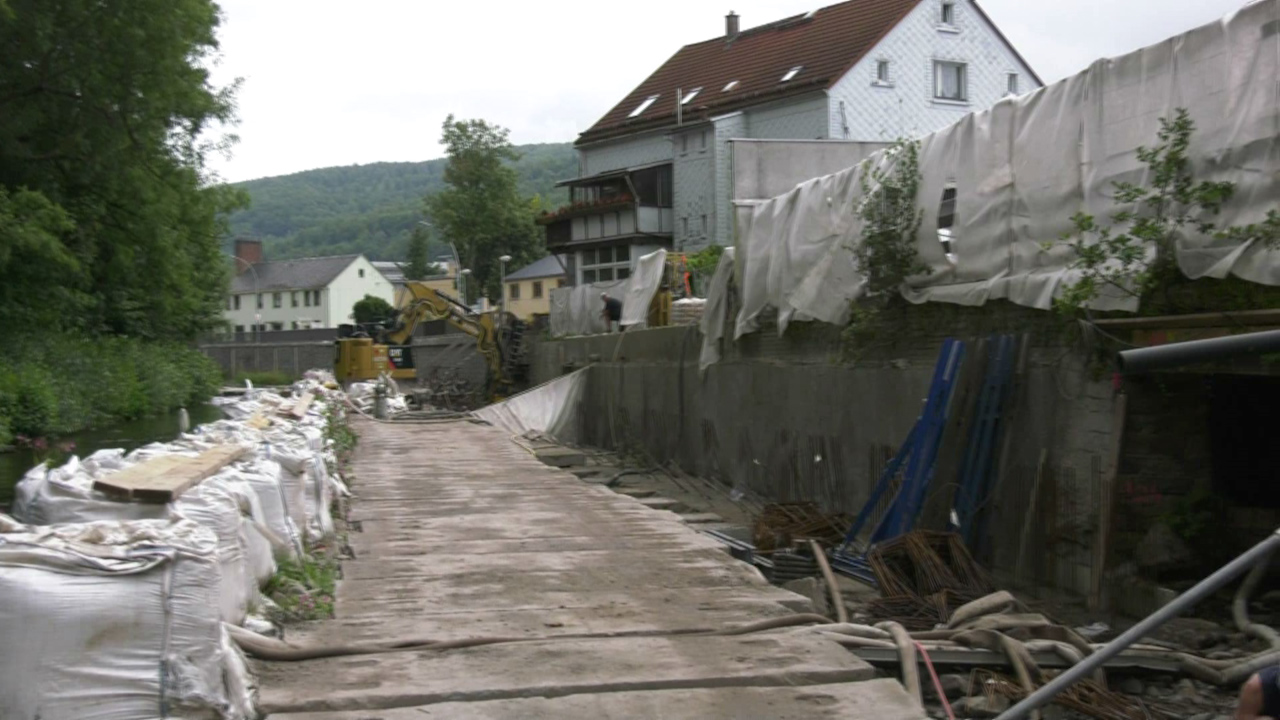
column 58, row 384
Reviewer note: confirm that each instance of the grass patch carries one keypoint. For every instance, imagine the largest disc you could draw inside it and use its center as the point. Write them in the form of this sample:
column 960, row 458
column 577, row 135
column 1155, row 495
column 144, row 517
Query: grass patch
column 263, row 379
column 304, row 590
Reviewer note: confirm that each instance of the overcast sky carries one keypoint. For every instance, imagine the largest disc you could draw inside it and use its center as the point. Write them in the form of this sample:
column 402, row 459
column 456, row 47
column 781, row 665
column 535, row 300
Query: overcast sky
column 340, row 83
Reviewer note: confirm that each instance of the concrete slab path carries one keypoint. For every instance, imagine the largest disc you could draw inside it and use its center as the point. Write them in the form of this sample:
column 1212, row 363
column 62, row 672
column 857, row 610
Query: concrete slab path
column 460, row 533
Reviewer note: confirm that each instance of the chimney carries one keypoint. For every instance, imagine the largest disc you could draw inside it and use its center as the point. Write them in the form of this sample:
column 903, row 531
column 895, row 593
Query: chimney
column 731, row 25
column 248, row 252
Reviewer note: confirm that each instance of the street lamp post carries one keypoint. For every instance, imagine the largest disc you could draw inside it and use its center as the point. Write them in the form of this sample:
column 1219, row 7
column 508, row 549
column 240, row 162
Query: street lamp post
column 462, row 285
column 502, row 286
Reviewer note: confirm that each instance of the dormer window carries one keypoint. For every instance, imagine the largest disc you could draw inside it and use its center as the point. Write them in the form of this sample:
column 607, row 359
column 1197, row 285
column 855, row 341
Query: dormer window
column 792, row 73
column 732, row 84
column 643, row 106
column 692, row 94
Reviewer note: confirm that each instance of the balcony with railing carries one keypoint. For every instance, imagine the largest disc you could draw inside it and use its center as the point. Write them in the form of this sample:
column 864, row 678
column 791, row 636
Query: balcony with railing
column 616, row 207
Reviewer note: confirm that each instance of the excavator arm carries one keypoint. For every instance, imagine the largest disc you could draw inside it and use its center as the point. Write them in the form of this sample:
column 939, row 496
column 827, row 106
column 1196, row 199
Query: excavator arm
column 422, row 303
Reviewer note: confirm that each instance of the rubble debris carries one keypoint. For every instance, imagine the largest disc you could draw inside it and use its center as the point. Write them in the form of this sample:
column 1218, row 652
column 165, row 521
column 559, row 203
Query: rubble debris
column 1086, row 697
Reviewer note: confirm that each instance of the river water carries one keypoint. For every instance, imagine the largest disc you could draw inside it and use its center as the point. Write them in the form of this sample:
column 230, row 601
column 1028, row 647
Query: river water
column 127, row 435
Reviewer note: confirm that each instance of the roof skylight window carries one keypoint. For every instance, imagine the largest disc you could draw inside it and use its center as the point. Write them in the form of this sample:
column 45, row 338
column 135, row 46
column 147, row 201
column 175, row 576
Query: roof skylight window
column 692, row 94
column 732, row 84
column 792, row 73
column 643, row 106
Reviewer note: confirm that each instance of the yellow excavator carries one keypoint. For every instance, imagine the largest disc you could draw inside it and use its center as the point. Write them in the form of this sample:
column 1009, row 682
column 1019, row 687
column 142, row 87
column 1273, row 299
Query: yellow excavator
column 366, row 352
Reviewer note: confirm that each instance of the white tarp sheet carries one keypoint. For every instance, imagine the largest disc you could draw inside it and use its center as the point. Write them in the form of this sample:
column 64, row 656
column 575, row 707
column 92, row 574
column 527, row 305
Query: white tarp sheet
column 715, row 316
column 115, row 621
column 1024, row 167
column 550, row 409
column 579, row 310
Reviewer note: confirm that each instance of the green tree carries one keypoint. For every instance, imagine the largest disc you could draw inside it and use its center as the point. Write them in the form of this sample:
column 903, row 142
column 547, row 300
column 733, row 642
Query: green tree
column 372, row 309
column 481, row 209
column 106, row 108
column 419, row 260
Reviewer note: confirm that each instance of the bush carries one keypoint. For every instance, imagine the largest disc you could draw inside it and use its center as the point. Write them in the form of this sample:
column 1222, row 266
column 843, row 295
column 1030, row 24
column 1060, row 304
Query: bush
column 58, row 384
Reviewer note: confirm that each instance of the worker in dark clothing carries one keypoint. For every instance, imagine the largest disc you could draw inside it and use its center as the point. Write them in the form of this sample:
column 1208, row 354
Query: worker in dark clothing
column 1260, row 696
column 612, row 313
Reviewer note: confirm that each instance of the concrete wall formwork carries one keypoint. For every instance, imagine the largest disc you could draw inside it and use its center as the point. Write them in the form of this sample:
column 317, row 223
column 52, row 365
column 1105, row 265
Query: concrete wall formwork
column 787, row 419
column 291, row 358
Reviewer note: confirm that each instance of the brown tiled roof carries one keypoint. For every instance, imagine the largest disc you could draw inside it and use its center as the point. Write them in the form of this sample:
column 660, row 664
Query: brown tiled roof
column 826, row 44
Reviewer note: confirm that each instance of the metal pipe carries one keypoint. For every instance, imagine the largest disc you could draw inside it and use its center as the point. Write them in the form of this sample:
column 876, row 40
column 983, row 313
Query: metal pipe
column 1195, row 351
column 1203, row 589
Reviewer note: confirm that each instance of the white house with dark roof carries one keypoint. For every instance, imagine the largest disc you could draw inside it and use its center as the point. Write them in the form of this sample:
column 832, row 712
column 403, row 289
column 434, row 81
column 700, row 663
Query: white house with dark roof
column 655, row 170
column 298, row 294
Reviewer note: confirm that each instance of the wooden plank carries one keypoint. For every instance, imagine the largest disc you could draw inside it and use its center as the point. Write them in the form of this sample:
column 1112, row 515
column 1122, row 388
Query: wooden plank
column 161, row 479
column 299, row 409
column 259, row 422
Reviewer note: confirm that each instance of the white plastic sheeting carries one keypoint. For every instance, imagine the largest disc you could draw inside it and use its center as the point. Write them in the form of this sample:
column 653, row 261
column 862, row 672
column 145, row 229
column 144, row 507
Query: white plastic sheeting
column 115, row 621
column 1024, row 167
column 715, row 316
column 550, row 409
column 579, row 310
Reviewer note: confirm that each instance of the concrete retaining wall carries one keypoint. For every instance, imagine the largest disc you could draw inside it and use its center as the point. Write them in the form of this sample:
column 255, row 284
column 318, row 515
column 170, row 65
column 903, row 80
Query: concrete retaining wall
column 787, row 418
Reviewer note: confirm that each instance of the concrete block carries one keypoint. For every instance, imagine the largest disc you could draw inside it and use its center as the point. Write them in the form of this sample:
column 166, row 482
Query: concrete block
column 871, row 700
column 562, row 457
column 555, row 669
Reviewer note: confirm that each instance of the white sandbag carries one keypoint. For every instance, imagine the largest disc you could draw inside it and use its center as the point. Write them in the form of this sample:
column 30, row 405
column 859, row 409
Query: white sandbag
column 263, row 476
column 217, row 508
column 65, row 495
column 319, row 502
column 115, row 621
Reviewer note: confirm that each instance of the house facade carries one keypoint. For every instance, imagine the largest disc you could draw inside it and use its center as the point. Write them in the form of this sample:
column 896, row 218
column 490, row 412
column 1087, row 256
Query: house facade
column 527, row 291
column 656, row 170
column 298, row 294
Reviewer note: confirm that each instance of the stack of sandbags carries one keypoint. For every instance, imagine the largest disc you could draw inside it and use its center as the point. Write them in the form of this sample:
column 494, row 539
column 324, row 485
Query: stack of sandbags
column 116, row 620
column 687, row 311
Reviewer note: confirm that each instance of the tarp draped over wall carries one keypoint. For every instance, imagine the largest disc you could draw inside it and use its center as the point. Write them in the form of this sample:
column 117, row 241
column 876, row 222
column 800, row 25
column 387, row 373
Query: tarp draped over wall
column 550, row 409
column 578, row 310
column 1024, row 167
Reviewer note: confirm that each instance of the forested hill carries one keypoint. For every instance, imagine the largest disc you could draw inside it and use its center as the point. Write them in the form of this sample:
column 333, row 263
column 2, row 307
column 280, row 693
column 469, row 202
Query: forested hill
column 372, row 208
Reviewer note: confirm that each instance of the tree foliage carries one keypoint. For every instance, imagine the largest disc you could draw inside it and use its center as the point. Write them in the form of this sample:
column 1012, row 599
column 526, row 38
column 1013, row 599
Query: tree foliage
column 1137, row 253
column 481, row 209
column 110, row 219
column 372, row 309
column 891, row 219
column 373, row 209
column 419, row 257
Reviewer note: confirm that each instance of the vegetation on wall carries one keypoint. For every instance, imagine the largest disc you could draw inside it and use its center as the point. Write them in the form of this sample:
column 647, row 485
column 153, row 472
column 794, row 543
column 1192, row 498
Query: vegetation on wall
column 1136, row 254
column 887, row 254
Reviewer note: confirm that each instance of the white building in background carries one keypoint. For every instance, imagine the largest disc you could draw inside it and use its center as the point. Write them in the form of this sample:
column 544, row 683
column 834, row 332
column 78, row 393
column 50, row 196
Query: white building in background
column 656, row 170
column 298, row 294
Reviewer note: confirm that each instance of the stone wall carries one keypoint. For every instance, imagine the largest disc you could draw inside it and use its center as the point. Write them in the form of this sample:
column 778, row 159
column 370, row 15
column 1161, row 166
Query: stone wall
column 790, row 419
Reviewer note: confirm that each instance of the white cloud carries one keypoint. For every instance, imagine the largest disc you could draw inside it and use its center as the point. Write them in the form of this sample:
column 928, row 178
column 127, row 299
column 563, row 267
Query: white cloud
column 330, row 83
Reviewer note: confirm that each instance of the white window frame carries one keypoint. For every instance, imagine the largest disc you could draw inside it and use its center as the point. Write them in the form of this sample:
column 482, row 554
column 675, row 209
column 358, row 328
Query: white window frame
column 792, row 73
column 938, row 66
column 947, row 9
column 613, row 268
column 692, row 94
column 731, row 85
column 884, row 73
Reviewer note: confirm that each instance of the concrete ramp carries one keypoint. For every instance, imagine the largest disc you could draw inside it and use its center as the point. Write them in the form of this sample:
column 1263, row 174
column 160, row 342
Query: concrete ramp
column 463, row 534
